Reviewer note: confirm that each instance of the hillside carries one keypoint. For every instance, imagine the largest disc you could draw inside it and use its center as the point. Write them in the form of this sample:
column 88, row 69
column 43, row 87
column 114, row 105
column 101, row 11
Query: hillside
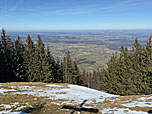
column 127, row 73
column 90, row 49
column 40, row 98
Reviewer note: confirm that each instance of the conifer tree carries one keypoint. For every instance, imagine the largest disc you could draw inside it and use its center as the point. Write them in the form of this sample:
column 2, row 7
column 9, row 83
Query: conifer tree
column 44, row 66
column 146, row 67
column 7, row 59
column 29, row 57
column 137, row 61
column 84, row 78
column 11, row 60
column 65, row 78
column 20, row 69
column 2, row 56
column 76, row 77
column 59, row 67
column 68, row 66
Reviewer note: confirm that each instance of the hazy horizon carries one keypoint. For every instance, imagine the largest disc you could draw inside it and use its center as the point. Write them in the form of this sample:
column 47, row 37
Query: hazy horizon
column 75, row 14
column 68, row 30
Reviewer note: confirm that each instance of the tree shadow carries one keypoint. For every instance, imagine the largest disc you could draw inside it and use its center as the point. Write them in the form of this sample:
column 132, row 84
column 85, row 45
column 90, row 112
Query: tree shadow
column 150, row 112
column 35, row 109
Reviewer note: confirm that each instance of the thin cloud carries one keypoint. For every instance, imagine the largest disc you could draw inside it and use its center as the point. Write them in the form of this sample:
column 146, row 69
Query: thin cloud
column 48, row 8
column 123, row 5
column 9, row 11
column 66, row 12
column 15, row 6
column 93, row 8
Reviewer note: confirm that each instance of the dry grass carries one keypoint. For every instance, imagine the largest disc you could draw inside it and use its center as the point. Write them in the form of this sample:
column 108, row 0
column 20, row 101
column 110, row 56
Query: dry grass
column 33, row 105
column 24, row 83
column 43, row 105
column 111, row 103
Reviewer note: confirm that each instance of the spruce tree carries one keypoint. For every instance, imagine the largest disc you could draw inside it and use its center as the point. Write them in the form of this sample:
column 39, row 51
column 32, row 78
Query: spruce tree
column 68, row 66
column 29, row 57
column 11, row 60
column 7, row 59
column 3, row 58
column 53, row 66
column 59, row 67
column 20, row 69
column 76, row 77
column 44, row 66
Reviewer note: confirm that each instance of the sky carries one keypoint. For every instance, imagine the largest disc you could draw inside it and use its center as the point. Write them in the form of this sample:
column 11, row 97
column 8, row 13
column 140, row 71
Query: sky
column 75, row 14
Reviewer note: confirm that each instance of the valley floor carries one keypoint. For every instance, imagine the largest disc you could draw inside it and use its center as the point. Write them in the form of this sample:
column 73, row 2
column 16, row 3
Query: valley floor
column 43, row 98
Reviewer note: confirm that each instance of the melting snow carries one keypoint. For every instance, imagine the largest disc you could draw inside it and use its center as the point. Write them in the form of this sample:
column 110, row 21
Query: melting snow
column 23, row 87
column 9, row 112
column 144, row 98
column 53, row 85
column 139, row 104
column 19, row 108
column 121, row 111
column 3, row 91
column 7, row 108
column 74, row 92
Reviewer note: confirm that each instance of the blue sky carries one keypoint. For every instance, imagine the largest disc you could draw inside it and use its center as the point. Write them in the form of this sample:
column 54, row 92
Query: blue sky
column 75, row 14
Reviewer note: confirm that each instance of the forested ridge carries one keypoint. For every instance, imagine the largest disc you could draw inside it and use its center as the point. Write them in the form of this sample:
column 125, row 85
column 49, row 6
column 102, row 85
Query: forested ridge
column 33, row 62
column 127, row 73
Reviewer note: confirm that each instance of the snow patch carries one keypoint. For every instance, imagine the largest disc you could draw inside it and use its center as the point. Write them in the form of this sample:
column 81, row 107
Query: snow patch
column 53, row 85
column 144, row 98
column 3, row 91
column 139, row 104
column 21, row 107
column 121, row 111
column 74, row 93
column 9, row 112
column 7, row 108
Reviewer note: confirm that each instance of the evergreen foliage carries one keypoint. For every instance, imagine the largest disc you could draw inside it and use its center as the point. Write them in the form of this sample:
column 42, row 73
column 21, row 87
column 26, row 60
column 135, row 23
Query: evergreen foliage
column 33, row 62
column 127, row 73
column 7, row 59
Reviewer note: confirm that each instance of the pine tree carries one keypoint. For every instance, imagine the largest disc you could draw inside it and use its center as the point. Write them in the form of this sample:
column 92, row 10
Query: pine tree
column 76, row 77
column 29, row 57
column 54, row 67
column 146, row 68
column 137, row 61
column 130, row 72
column 2, row 56
column 68, row 66
column 89, row 75
column 7, row 59
column 44, row 66
column 104, row 79
column 65, row 78
column 112, row 74
column 84, row 78
column 20, row 69
column 11, row 60
column 59, row 68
